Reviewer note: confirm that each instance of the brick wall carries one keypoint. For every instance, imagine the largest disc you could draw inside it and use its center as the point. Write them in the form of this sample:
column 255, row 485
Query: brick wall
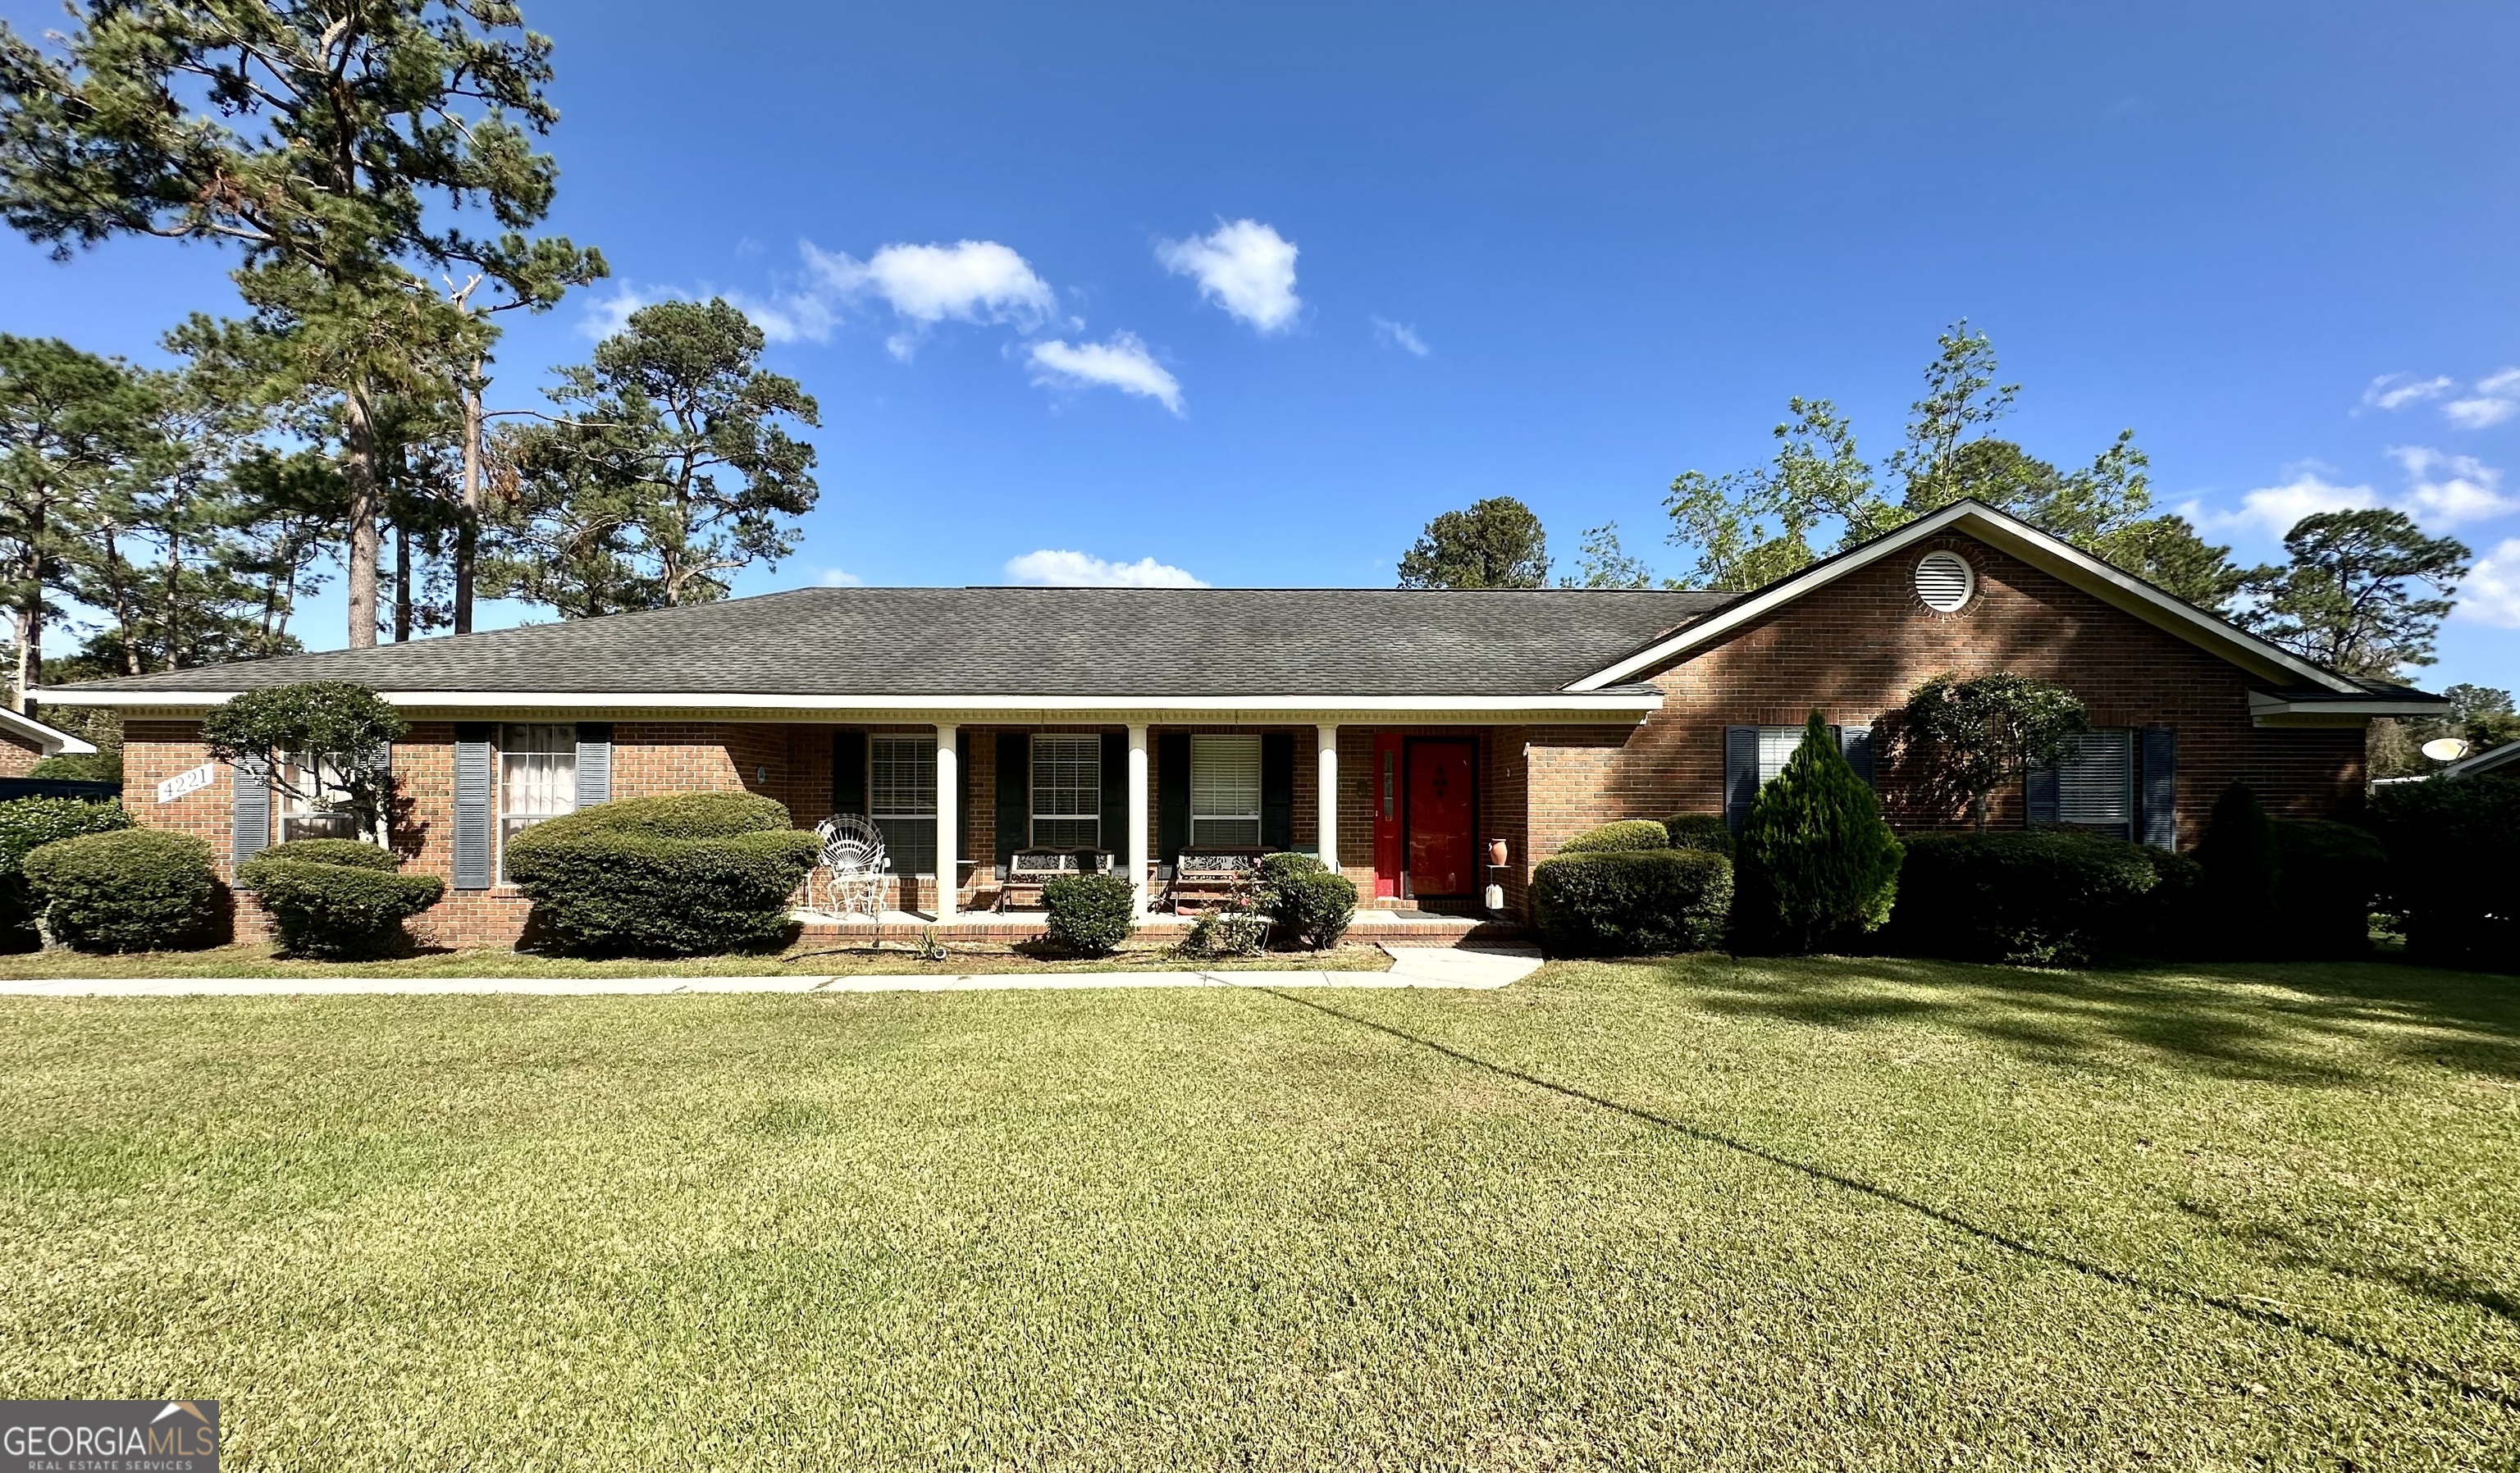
column 18, row 754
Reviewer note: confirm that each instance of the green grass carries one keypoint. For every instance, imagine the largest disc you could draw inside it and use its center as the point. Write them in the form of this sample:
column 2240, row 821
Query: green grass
column 1696, row 1214
column 258, row 961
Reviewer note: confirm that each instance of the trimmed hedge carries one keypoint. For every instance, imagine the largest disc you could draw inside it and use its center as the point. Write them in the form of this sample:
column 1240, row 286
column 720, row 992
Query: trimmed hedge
column 1616, row 837
column 2044, row 898
column 2453, row 849
column 336, row 898
column 129, row 890
column 1308, row 902
column 679, row 875
column 1706, row 833
column 2331, row 873
column 27, row 824
column 1632, row 902
column 1090, row 914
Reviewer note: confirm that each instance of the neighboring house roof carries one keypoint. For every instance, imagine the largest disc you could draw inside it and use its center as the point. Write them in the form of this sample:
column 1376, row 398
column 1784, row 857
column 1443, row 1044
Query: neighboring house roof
column 54, row 740
column 2505, row 757
column 1011, row 641
column 2322, row 687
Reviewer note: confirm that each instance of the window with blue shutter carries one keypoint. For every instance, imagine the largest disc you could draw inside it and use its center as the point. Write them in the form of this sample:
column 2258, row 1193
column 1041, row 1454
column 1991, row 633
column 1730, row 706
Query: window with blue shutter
column 594, row 762
column 2160, row 788
column 473, row 805
column 250, row 816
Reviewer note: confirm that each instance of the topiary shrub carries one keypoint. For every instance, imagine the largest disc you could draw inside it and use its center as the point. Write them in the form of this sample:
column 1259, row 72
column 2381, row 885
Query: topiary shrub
column 1619, row 836
column 1624, row 903
column 1090, row 914
column 1706, row 833
column 679, row 875
column 336, row 898
column 2454, row 846
column 27, row 824
column 2328, row 875
column 2242, row 885
column 2046, row 898
column 1310, row 904
column 1816, row 868
column 128, row 890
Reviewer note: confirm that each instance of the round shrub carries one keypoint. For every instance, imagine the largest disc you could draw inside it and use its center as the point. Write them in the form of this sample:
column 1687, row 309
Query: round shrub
column 1615, row 837
column 1632, row 902
column 679, row 875
column 27, row 824
column 2243, row 882
column 2454, row 846
column 2329, row 874
column 2046, row 898
column 336, row 898
column 1309, row 903
column 1816, row 868
column 128, row 890
column 1706, row 833
column 1089, row 913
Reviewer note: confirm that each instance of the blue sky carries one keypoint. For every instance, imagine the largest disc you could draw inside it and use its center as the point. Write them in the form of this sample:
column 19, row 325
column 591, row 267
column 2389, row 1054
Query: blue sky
column 1561, row 252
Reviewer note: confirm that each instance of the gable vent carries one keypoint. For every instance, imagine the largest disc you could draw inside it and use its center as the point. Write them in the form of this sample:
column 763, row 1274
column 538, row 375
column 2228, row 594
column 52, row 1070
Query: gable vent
column 1945, row 581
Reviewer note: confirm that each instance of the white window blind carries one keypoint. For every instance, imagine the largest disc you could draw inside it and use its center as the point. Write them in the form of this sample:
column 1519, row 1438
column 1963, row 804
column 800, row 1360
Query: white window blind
column 2096, row 778
column 1068, row 792
column 1225, row 791
column 537, row 778
column 1775, row 745
column 901, row 798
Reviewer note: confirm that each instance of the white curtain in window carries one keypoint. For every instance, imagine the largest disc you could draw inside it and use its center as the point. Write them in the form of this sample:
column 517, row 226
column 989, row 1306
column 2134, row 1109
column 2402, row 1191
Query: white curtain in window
column 537, row 776
column 1225, row 791
column 1068, row 792
column 901, row 798
column 302, row 815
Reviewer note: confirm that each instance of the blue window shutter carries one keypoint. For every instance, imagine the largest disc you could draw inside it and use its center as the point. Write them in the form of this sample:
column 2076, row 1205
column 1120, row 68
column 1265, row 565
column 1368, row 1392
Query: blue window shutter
column 1278, row 790
column 1740, row 775
column 1857, row 743
column 849, row 773
column 2039, row 795
column 1014, row 795
column 250, row 825
column 1172, row 800
column 594, row 762
column 473, row 805
column 2157, row 791
column 1116, row 793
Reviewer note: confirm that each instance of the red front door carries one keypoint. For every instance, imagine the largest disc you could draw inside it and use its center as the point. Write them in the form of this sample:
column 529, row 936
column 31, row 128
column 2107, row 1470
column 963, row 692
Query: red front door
column 1443, row 795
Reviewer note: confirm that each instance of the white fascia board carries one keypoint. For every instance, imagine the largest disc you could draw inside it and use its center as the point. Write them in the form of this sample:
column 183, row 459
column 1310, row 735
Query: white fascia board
column 1997, row 530
column 2265, row 703
column 1623, row 706
column 54, row 742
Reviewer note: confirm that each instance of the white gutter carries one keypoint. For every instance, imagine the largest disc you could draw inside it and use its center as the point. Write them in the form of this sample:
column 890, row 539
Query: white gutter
column 54, row 742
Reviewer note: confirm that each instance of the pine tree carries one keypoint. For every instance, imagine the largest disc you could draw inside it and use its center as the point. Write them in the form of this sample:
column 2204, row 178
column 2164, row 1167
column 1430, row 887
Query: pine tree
column 1816, row 866
column 2243, row 873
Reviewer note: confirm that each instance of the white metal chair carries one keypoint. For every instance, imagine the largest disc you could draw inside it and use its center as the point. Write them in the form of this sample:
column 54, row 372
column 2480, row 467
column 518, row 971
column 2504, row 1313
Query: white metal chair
column 854, row 866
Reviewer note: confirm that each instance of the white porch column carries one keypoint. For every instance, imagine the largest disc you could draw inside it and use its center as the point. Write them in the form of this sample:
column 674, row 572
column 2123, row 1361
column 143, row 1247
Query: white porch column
column 1134, row 852
column 949, row 824
column 1326, row 740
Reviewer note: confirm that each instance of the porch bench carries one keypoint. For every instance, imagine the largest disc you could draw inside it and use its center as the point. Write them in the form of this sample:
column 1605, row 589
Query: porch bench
column 1028, row 870
column 1211, row 877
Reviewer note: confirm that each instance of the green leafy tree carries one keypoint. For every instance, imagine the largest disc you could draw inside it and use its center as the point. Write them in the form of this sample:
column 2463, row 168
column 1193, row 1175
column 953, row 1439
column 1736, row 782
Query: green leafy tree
column 1605, row 563
column 1964, row 737
column 324, row 743
column 2479, row 715
column 672, row 470
column 1751, row 528
column 1816, row 868
column 345, row 147
column 2352, row 596
column 1496, row 542
column 69, row 424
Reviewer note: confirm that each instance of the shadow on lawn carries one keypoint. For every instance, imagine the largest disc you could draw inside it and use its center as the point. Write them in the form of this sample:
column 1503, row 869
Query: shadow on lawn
column 2263, row 1314
column 2309, row 1022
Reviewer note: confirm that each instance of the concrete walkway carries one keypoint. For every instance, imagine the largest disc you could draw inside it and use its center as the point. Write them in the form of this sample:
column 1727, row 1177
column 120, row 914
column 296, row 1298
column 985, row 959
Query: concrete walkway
column 1410, row 966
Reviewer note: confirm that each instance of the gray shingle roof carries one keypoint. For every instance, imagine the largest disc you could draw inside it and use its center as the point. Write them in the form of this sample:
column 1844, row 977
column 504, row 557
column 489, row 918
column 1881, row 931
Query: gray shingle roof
column 886, row 641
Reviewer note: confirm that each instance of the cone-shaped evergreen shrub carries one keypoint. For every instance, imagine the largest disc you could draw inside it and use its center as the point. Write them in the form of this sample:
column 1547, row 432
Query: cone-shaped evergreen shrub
column 1816, row 868
column 2243, row 888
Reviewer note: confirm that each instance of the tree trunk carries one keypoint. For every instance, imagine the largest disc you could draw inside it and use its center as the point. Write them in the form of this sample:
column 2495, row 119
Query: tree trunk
column 366, row 542
column 402, row 585
column 1979, row 808
column 30, row 615
column 468, row 523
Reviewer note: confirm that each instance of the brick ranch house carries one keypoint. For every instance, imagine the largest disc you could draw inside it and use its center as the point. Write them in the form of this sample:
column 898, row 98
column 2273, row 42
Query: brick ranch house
column 1395, row 733
column 25, row 742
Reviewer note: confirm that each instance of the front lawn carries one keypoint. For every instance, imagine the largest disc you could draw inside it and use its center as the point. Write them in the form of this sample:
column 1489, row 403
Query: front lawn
column 1788, row 1214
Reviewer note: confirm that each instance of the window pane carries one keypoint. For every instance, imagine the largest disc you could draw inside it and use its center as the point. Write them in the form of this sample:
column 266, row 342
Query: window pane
column 909, row 843
column 537, row 778
column 2094, row 778
column 1775, row 745
column 1068, row 792
column 1225, row 781
column 901, row 775
column 1225, row 833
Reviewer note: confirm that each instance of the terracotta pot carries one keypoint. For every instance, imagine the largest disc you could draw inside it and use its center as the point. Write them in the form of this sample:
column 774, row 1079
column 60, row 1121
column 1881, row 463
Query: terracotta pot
column 1497, row 852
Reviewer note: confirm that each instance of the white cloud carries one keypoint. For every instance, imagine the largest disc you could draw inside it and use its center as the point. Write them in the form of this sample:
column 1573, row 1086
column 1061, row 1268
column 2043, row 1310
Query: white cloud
column 840, row 577
column 783, row 319
column 1057, row 568
column 2398, row 390
column 969, row 281
column 2277, row 508
column 2497, row 399
column 2491, row 594
column 608, row 314
column 1123, row 364
column 1399, row 334
column 2449, row 489
column 1246, row 267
